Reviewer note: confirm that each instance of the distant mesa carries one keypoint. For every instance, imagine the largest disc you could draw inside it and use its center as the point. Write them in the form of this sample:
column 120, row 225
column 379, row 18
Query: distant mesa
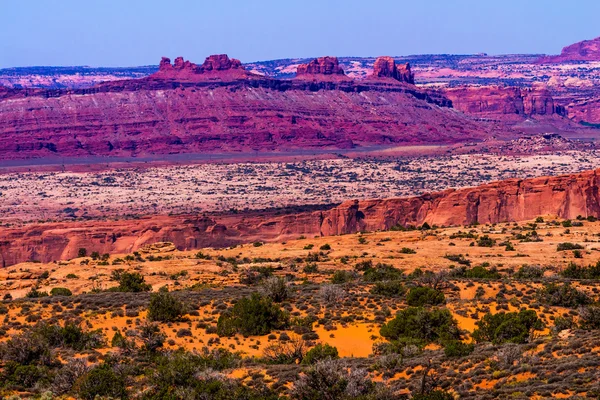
column 182, row 68
column 321, row 66
column 386, row 67
column 587, row 50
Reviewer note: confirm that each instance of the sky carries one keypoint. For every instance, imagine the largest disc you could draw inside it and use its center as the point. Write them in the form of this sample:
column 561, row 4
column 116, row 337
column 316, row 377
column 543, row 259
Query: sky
column 139, row 32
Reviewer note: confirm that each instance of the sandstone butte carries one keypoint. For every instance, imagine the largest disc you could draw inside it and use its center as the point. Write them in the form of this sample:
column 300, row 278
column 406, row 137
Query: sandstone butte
column 564, row 196
column 587, row 50
column 220, row 107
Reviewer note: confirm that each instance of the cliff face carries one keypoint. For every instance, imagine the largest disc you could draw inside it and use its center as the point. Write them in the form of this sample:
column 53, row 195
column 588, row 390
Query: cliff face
column 220, row 107
column 503, row 101
column 513, row 200
column 587, row 50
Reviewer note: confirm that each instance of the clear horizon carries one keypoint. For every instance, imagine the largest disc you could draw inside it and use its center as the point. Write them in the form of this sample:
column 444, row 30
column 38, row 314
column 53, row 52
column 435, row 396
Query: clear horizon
column 113, row 33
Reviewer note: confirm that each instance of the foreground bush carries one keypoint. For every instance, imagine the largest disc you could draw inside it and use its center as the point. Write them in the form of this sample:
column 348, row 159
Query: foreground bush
column 562, row 295
column 319, row 353
column 574, row 271
column 165, row 307
column 420, row 296
column 389, row 289
column 514, row 327
column 419, row 323
column 333, row 380
column 101, row 381
column 254, row 315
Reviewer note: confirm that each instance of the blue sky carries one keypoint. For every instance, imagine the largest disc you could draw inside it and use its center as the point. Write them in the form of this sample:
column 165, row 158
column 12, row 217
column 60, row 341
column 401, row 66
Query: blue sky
column 139, row 32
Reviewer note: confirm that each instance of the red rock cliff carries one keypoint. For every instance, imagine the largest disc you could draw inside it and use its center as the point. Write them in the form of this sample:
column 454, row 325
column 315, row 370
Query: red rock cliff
column 219, row 107
column 513, row 200
column 587, row 50
column 503, row 101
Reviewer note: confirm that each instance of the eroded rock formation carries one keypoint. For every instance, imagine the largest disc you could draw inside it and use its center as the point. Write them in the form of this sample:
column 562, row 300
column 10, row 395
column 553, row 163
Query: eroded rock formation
column 320, row 66
column 513, row 200
column 386, row 67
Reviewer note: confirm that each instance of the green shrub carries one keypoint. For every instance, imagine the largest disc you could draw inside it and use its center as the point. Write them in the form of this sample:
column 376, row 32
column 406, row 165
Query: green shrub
column 60, row 291
column 421, row 295
column 382, row 272
column 320, row 352
column 457, row 348
column 574, row 271
column 486, row 241
column 340, row 277
column 389, row 289
column 82, row 252
column 419, row 323
column 529, row 272
column 407, row 250
column 101, row 381
column 254, row 315
column 562, row 295
column 165, row 307
column 132, row 282
column 35, row 294
column 568, row 246
column 514, row 327
column 325, row 247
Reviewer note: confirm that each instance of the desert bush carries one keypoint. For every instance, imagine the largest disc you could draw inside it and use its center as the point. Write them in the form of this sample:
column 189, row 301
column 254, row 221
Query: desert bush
column 382, row 272
column 333, row 380
column 340, row 277
column 419, row 323
column 514, row 327
column 568, row 246
column 574, row 271
column 529, row 272
column 420, row 296
column 276, row 289
column 457, row 348
column 389, row 289
column 132, row 282
column 254, row 315
column 165, row 307
column 152, row 337
column 67, row 375
column 331, row 293
column 289, row 351
column 486, row 241
column 59, row 291
column 319, row 353
column 509, row 353
column 562, row 295
column 589, row 317
column 36, row 294
column 101, row 381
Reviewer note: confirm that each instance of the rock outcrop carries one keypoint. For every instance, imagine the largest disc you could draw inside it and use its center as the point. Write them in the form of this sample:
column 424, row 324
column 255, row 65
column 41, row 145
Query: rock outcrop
column 386, row 67
column 503, row 101
column 513, row 200
column 186, row 70
column 320, row 66
column 587, row 50
column 219, row 107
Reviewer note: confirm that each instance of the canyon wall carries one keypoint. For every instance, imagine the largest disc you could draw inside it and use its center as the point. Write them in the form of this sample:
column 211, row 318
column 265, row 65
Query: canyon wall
column 513, row 200
column 500, row 102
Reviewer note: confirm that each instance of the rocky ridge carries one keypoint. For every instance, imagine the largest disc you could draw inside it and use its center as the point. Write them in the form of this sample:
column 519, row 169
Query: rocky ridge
column 564, row 196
